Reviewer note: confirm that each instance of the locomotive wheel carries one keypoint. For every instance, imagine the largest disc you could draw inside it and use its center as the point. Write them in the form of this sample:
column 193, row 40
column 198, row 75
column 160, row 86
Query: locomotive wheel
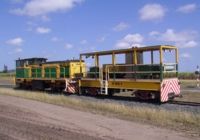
column 82, row 91
column 37, row 85
column 143, row 95
column 111, row 92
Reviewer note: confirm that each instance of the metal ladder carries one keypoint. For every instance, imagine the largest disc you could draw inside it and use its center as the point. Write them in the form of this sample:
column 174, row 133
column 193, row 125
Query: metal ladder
column 104, row 87
column 104, row 83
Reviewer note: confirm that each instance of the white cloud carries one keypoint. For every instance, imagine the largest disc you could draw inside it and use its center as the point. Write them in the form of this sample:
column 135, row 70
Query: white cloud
column 120, row 27
column 135, row 38
column 83, row 42
column 152, row 12
column 171, row 36
column 185, row 55
column 130, row 40
column 122, row 44
column 55, row 39
column 191, row 44
column 15, row 41
column 154, row 33
column 68, row 46
column 184, row 39
column 44, row 7
column 43, row 30
column 188, row 8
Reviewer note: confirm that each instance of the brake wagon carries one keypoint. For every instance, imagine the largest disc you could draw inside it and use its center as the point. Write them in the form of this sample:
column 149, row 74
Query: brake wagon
column 154, row 80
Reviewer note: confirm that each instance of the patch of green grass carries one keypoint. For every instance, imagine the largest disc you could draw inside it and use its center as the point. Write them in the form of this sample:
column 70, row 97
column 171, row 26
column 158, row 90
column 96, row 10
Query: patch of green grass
column 179, row 120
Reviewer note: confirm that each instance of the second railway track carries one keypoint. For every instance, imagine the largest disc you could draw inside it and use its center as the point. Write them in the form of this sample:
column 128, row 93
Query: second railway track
column 184, row 103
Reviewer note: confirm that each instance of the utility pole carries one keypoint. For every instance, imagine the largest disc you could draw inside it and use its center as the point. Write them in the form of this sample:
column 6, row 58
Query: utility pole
column 197, row 72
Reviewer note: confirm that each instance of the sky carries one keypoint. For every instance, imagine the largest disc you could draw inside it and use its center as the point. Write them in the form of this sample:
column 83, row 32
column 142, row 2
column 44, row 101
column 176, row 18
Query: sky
column 62, row 29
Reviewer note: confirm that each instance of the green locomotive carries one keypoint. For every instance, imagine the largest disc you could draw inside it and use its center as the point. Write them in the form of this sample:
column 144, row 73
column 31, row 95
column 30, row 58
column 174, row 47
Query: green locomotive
column 38, row 73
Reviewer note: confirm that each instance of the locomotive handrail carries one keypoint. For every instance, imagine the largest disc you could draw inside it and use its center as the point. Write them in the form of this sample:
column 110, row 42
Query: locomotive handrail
column 135, row 73
column 140, row 71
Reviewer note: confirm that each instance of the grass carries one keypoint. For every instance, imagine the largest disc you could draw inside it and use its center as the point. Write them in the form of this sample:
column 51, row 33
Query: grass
column 7, row 74
column 188, row 83
column 179, row 120
column 187, row 75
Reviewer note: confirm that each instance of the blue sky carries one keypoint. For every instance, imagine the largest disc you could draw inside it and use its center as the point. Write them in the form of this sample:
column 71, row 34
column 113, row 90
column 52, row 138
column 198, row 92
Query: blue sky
column 62, row 29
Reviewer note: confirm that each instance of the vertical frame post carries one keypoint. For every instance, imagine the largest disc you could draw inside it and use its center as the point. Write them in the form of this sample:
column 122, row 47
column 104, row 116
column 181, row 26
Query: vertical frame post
column 135, row 62
column 80, row 63
column 113, row 58
column 113, row 63
column 152, row 57
column 176, row 51
column 135, row 56
column 96, row 65
column 198, row 75
column 161, row 63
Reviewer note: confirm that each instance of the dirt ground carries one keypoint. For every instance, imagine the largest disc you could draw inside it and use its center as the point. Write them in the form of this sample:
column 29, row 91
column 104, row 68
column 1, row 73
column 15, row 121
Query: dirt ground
column 22, row 119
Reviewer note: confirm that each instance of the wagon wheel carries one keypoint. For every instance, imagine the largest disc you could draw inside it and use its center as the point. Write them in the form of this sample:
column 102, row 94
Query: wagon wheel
column 143, row 95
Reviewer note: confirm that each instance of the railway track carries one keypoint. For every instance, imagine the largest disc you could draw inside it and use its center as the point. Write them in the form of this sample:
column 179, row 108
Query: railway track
column 186, row 103
column 130, row 101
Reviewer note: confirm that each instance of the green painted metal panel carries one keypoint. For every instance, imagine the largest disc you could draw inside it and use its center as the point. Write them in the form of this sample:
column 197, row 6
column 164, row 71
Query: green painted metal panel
column 26, row 73
column 156, row 68
column 93, row 72
column 19, row 73
column 39, row 73
column 36, row 72
column 47, row 73
column 50, row 73
column 33, row 73
column 148, row 68
column 22, row 73
column 67, row 71
column 53, row 72
column 64, row 72
column 94, row 69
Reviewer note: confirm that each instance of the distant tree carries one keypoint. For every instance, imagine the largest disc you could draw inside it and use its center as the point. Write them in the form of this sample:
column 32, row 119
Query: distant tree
column 5, row 69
